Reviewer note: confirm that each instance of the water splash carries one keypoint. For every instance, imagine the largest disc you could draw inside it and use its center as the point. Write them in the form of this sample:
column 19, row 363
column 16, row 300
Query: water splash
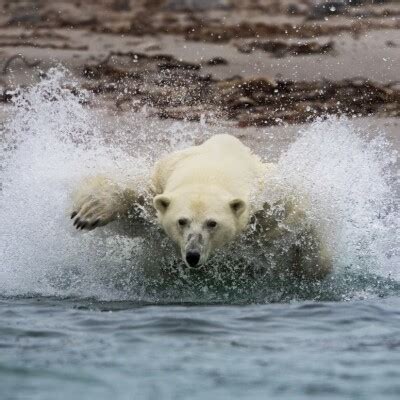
column 348, row 184
column 51, row 140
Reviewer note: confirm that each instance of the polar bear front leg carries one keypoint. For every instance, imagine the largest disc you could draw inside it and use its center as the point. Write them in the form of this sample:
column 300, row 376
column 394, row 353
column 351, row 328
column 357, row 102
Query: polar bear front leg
column 311, row 259
column 98, row 201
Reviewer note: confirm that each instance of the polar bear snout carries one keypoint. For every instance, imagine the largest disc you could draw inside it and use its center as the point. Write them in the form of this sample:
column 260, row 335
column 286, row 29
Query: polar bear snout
column 193, row 258
column 194, row 249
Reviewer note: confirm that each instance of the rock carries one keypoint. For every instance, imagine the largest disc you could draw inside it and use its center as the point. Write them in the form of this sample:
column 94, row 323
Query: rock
column 175, row 64
column 217, row 61
column 326, row 8
column 250, row 86
column 390, row 43
column 6, row 95
column 196, row 5
column 282, row 49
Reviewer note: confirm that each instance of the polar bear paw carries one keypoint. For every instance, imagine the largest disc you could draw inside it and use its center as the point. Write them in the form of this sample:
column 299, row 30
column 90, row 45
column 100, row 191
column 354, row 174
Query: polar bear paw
column 97, row 203
column 93, row 211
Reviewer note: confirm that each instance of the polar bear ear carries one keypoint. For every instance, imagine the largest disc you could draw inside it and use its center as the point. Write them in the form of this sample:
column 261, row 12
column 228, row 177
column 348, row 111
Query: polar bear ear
column 237, row 206
column 161, row 203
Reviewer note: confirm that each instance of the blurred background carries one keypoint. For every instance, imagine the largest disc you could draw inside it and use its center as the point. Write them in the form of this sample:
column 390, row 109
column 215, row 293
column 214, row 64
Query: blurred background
column 244, row 62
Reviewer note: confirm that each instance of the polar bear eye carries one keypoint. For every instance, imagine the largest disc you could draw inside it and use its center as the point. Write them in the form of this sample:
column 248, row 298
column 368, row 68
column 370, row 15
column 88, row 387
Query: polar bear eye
column 211, row 224
column 182, row 221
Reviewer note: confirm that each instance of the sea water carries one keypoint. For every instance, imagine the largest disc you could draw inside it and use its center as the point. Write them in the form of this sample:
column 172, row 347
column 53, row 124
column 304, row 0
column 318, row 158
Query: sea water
column 78, row 320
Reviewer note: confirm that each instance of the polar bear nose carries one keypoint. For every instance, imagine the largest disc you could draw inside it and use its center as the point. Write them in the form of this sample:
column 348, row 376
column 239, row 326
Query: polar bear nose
column 192, row 258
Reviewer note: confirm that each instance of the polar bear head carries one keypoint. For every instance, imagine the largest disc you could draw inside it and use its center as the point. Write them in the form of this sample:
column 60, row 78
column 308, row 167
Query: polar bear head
column 200, row 222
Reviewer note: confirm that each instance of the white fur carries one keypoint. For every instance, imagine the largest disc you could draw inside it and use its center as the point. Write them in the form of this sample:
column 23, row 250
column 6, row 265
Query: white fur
column 219, row 183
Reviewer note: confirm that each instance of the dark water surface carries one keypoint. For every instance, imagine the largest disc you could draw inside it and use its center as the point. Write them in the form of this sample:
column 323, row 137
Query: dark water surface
column 83, row 349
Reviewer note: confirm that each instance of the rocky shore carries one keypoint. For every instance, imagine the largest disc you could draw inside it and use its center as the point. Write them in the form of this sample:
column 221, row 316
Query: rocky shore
column 248, row 63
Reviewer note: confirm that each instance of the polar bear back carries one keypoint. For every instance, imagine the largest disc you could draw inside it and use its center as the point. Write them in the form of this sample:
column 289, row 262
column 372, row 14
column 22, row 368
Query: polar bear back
column 222, row 161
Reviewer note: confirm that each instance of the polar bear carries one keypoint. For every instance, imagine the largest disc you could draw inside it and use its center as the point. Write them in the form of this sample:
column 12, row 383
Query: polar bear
column 204, row 197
